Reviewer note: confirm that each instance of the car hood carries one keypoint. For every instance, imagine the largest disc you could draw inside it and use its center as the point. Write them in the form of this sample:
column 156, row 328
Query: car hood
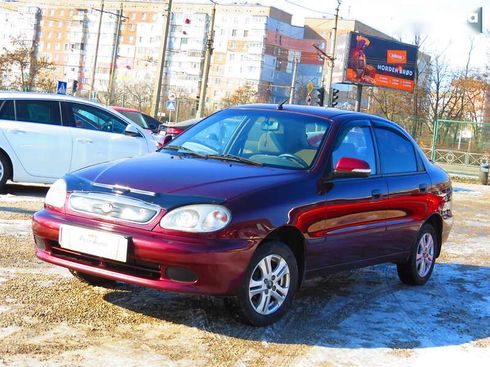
column 185, row 175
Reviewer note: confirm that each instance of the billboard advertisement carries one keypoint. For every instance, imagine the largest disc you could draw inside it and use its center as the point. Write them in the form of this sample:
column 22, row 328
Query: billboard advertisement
column 379, row 62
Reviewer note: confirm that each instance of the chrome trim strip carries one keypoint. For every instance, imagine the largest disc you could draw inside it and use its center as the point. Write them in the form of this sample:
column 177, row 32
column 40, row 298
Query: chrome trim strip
column 122, row 189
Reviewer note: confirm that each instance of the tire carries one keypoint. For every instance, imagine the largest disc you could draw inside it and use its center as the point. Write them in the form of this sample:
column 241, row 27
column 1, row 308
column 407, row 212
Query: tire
column 5, row 170
column 418, row 269
column 269, row 284
column 91, row 279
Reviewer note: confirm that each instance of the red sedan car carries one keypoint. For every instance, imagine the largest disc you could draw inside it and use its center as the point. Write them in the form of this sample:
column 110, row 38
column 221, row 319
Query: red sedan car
column 251, row 203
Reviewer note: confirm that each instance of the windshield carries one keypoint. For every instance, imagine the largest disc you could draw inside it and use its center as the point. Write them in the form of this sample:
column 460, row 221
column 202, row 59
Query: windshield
column 273, row 138
column 136, row 117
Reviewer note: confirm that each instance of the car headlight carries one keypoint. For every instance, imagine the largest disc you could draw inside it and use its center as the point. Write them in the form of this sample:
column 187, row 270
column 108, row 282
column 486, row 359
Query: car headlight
column 56, row 195
column 197, row 218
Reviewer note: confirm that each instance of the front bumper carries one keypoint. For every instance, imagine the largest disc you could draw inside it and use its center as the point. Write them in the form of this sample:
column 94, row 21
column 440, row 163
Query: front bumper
column 202, row 265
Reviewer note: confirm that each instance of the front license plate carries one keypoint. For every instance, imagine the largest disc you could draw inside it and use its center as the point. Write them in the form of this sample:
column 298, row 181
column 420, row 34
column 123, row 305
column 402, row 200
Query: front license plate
column 98, row 243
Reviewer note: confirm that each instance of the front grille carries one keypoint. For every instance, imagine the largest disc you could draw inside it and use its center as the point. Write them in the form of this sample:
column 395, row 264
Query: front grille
column 114, row 207
column 141, row 269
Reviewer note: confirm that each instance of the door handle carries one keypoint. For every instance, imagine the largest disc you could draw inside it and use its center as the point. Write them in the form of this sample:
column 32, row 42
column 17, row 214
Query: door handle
column 83, row 141
column 17, row 131
column 376, row 194
column 423, row 187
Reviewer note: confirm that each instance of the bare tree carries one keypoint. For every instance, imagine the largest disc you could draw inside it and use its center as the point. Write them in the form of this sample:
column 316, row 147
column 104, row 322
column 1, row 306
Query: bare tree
column 22, row 68
column 242, row 95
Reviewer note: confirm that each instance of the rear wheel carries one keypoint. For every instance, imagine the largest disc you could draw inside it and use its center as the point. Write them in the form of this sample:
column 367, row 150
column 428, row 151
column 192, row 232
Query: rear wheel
column 5, row 170
column 418, row 269
column 269, row 284
column 91, row 279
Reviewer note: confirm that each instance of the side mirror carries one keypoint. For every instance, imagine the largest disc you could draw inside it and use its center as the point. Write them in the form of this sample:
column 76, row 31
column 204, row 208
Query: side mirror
column 352, row 167
column 131, row 131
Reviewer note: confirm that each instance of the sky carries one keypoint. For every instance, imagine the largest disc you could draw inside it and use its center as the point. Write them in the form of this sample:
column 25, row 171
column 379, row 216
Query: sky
column 442, row 23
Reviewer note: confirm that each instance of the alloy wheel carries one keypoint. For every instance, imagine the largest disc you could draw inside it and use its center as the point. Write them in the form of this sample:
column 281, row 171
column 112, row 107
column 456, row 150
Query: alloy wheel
column 425, row 254
column 269, row 284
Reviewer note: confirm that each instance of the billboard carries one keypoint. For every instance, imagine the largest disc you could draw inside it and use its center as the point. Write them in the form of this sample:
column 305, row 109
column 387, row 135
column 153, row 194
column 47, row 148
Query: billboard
column 379, row 62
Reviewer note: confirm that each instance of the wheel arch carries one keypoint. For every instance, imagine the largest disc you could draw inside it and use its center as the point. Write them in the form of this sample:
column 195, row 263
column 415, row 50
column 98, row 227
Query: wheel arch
column 9, row 162
column 435, row 220
column 294, row 239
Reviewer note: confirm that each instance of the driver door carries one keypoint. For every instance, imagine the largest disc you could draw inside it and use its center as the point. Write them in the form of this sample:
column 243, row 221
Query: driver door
column 98, row 136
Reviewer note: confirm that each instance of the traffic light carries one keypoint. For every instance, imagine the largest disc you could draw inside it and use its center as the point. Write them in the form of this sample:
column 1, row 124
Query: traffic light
column 319, row 96
column 197, row 101
column 335, row 96
column 74, row 86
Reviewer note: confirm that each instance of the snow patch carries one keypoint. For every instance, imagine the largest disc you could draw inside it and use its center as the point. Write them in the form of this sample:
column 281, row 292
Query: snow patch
column 16, row 227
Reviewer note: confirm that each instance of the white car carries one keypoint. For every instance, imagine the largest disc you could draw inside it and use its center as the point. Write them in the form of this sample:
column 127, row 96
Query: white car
column 44, row 136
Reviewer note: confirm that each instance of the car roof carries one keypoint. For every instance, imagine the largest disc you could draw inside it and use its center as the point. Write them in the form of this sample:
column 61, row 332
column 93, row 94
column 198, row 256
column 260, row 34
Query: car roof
column 47, row 97
column 185, row 123
column 125, row 109
column 329, row 113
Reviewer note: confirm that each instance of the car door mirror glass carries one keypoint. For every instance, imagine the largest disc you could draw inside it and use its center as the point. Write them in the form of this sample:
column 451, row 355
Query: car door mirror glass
column 352, row 167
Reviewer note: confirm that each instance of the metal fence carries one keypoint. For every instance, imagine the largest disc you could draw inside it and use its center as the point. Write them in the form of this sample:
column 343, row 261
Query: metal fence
column 460, row 146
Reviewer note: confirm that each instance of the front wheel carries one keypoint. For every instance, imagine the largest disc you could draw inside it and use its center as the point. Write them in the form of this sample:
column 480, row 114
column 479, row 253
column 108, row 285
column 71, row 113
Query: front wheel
column 5, row 170
column 269, row 284
column 418, row 269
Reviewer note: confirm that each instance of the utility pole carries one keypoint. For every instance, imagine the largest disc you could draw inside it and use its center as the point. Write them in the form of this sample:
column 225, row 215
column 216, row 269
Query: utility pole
column 293, row 81
column 115, row 50
column 207, row 65
column 328, row 87
column 92, row 79
column 34, row 50
column 157, row 87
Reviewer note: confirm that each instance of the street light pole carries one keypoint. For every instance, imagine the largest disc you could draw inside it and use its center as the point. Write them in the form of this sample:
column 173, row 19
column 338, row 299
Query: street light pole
column 207, row 65
column 328, row 88
column 92, row 79
column 293, row 81
column 157, row 87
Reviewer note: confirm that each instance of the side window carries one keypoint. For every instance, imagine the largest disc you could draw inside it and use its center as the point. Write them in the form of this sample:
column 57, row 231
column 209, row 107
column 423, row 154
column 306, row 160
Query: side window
column 41, row 112
column 396, row 153
column 92, row 118
column 7, row 110
column 356, row 143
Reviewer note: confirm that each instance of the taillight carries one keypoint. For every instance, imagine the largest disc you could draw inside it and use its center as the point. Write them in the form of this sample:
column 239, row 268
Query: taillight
column 173, row 131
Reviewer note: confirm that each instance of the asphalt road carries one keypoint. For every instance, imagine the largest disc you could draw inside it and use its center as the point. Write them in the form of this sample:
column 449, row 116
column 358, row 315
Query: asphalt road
column 357, row 318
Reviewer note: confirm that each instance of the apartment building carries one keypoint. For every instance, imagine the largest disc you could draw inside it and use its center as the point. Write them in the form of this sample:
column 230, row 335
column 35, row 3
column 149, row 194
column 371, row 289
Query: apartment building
column 253, row 44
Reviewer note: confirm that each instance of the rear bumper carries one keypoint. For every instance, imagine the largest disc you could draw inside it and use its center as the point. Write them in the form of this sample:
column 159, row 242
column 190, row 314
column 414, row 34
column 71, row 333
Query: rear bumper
column 203, row 266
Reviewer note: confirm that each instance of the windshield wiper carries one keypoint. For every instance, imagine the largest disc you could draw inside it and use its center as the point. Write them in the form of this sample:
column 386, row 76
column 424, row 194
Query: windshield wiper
column 185, row 150
column 235, row 158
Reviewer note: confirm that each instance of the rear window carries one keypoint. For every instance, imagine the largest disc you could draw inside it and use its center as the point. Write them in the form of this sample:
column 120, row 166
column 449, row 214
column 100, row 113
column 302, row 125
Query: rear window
column 41, row 112
column 7, row 110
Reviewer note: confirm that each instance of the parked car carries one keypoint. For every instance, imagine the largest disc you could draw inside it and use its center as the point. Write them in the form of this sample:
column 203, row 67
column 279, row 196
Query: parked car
column 252, row 203
column 44, row 136
column 170, row 131
column 142, row 119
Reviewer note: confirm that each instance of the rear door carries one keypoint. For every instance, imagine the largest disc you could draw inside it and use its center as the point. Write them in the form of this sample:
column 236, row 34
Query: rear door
column 99, row 136
column 408, row 185
column 38, row 139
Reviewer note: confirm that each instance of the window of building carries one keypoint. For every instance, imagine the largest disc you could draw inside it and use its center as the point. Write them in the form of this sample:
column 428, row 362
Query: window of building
column 233, row 32
column 245, row 33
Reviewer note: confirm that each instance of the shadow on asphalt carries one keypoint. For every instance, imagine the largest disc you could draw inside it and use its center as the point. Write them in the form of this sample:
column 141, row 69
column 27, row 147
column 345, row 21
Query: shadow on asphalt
column 366, row 308
column 25, row 190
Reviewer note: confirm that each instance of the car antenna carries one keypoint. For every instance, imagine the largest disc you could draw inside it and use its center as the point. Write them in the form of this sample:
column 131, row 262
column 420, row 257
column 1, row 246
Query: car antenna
column 279, row 106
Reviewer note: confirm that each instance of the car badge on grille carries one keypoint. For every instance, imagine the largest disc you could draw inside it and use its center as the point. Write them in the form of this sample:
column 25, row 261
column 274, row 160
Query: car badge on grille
column 106, row 208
